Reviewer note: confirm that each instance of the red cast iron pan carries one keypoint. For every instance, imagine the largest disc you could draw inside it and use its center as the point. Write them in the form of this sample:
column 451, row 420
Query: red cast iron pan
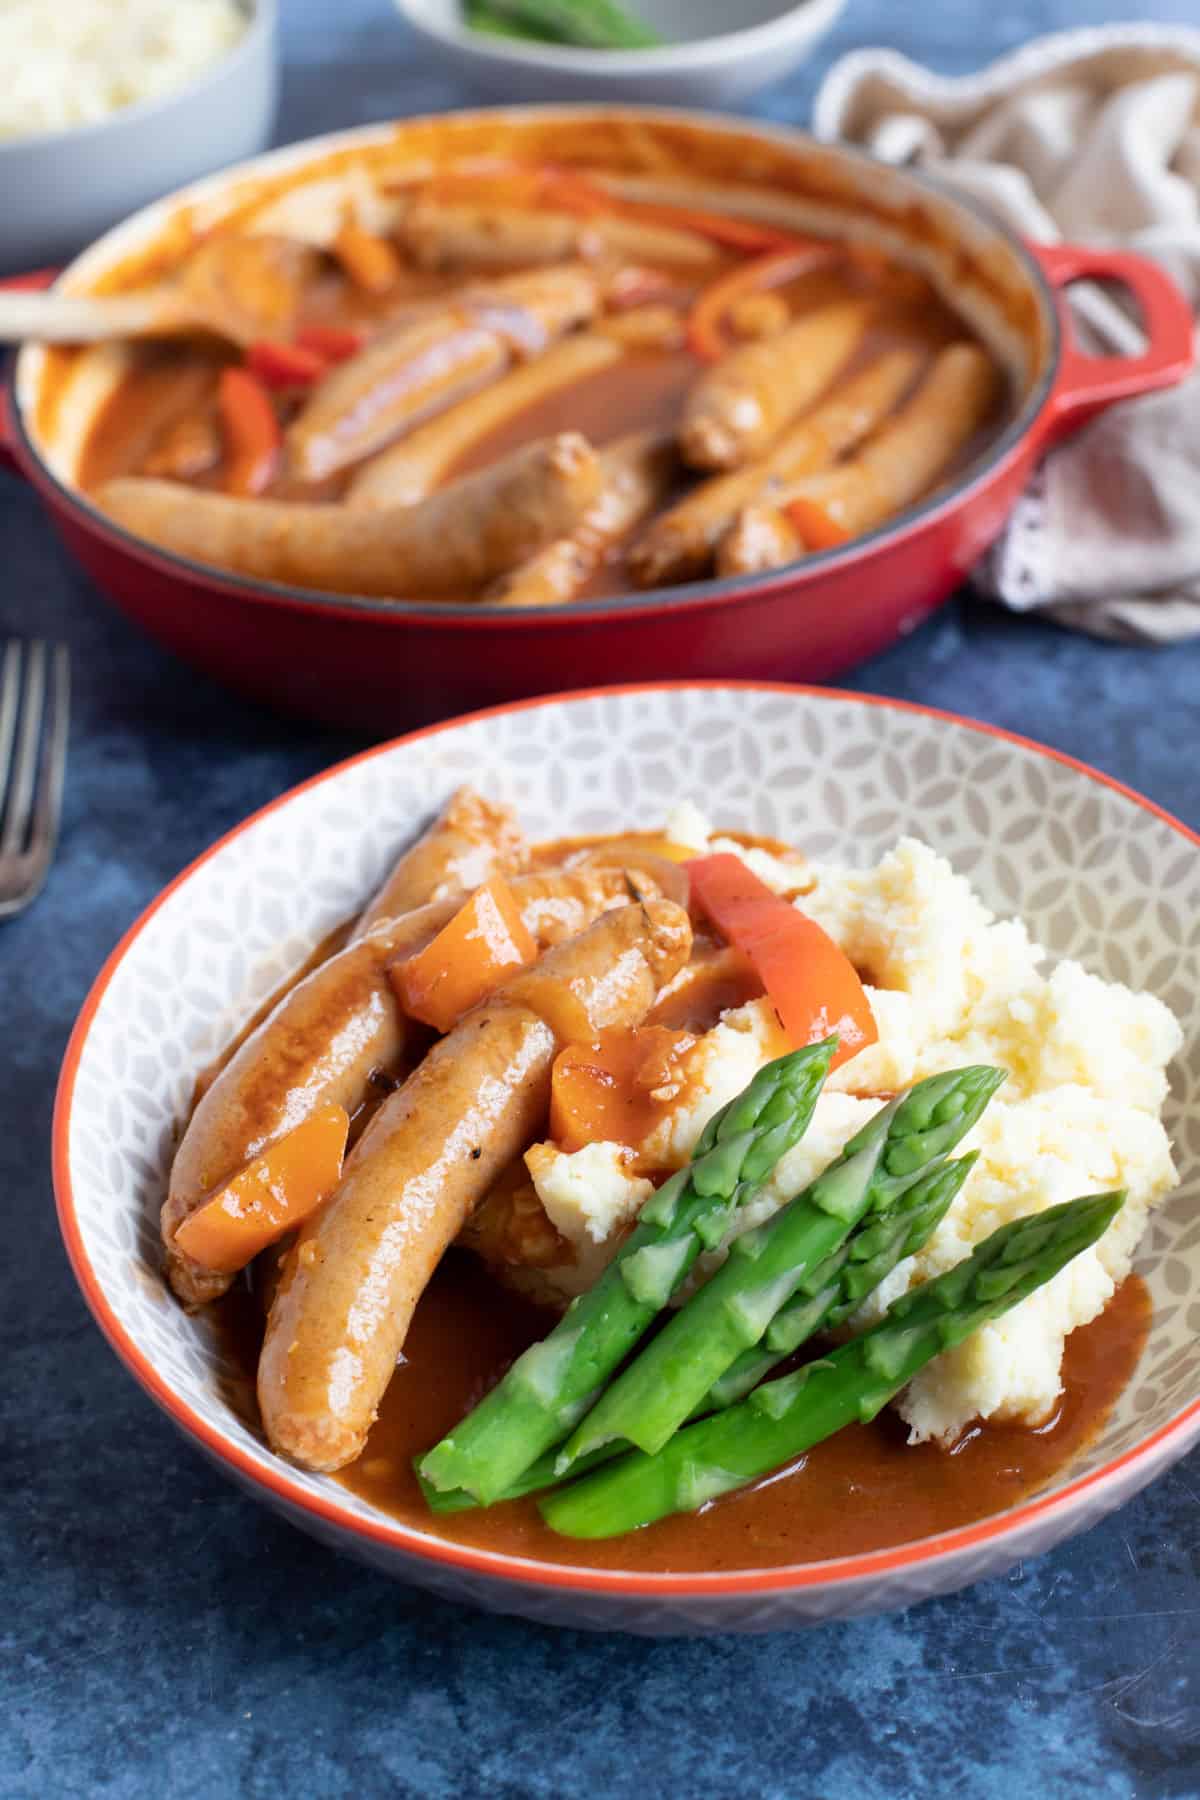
column 379, row 664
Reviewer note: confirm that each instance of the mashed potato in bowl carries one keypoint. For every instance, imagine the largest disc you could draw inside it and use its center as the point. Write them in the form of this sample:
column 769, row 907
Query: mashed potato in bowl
column 949, row 983
column 75, row 62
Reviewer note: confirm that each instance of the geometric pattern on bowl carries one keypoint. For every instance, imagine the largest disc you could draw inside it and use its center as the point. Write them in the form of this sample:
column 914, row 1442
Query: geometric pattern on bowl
column 1096, row 872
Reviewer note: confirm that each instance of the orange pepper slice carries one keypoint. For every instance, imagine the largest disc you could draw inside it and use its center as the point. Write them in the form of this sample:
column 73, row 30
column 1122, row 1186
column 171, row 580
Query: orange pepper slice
column 605, row 1091
column 818, row 528
column 251, row 429
column 273, row 1193
column 371, row 262
column 485, row 941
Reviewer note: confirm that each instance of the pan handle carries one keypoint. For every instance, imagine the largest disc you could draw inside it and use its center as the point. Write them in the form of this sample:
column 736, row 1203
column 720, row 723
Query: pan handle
column 34, row 282
column 1086, row 384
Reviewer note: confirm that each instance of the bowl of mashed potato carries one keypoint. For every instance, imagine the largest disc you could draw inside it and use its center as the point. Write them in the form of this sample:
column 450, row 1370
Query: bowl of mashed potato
column 108, row 104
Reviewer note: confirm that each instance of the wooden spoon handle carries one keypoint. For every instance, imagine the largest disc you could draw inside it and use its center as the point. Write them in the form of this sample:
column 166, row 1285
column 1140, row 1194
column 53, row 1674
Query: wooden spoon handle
column 75, row 319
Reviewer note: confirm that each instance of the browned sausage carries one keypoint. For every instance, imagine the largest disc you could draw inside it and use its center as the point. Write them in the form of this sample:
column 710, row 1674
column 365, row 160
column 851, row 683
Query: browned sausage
column 761, row 537
column 758, row 316
column 433, row 1150
column 456, row 540
column 737, row 407
column 638, row 473
column 679, row 544
column 470, row 840
column 188, row 448
column 443, row 235
column 558, row 904
column 895, row 466
column 908, row 454
column 657, row 327
column 405, row 473
column 330, row 1034
column 427, row 363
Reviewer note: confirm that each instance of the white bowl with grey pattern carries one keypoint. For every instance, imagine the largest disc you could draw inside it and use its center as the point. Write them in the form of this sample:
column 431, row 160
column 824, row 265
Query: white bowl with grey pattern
column 1097, row 872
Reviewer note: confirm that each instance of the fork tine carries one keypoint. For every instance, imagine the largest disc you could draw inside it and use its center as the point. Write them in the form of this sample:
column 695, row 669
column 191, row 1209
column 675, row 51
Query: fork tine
column 10, row 688
column 48, row 806
column 24, row 765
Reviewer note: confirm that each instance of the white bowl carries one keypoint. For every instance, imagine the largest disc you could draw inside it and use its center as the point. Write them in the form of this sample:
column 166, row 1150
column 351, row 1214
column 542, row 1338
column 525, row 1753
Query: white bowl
column 1096, row 871
column 704, row 61
column 63, row 188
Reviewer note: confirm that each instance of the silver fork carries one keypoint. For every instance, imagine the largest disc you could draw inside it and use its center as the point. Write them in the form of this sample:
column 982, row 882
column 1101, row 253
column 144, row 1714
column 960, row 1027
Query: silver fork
column 35, row 702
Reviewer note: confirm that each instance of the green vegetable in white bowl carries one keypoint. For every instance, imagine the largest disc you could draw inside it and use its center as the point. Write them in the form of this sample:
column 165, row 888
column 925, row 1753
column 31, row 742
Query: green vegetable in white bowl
column 588, row 24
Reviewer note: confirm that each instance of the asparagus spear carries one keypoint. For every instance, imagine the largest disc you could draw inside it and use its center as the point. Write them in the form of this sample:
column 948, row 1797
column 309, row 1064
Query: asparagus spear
column 838, row 1286
column 550, row 1387
column 786, row 1417
column 591, row 24
column 481, row 17
column 538, row 1475
column 766, row 1266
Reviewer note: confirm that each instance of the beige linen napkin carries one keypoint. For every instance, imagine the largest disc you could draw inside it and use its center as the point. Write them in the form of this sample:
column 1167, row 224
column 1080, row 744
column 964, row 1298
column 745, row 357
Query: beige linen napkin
column 1089, row 137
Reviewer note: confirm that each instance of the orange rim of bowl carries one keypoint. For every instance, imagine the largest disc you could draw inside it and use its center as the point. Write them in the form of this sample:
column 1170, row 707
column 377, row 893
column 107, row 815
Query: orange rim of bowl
column 277, row 1478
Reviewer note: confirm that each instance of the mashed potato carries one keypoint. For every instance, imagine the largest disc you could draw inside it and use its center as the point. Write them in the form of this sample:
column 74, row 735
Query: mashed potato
column 949, row 984
column 74, row 62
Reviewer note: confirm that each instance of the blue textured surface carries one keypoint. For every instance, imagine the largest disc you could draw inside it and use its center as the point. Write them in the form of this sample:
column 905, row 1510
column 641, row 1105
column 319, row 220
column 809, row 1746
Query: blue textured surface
column 162, row 1635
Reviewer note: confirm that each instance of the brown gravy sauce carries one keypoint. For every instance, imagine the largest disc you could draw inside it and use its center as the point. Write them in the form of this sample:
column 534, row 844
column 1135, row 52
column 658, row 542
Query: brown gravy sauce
column 865, row 1489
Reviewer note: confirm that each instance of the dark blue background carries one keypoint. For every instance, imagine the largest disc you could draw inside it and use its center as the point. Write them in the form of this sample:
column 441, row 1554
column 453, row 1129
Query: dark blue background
column 163, row 1635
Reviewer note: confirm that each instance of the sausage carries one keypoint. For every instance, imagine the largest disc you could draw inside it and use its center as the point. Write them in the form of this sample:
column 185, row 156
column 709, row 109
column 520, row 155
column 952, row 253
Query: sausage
column 761, row 537
column 561, row 903
column 442, row 235
column 470, row 840
column 638, row 474
column 659, row 327
column 426, row 363
column 646, row 241
column 411, row 469
column 456, row 540
column 385, row 904
column 190, row 446
column 735, row 409
column 449, row 236
column 414, row 370
column 679, row 544
column 431, row 1153
column 320, row 1045
column 329, row 1035
column 759, row 315
column 904, row 458
column 510, row 1229
column 313, row 212
column 167, row 398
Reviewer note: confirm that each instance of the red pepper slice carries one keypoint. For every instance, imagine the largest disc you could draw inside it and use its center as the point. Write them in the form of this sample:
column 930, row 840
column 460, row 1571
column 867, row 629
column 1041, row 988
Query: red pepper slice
column 705, row 338
column 333, row 343
column 812, row 984
column 284, row 365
